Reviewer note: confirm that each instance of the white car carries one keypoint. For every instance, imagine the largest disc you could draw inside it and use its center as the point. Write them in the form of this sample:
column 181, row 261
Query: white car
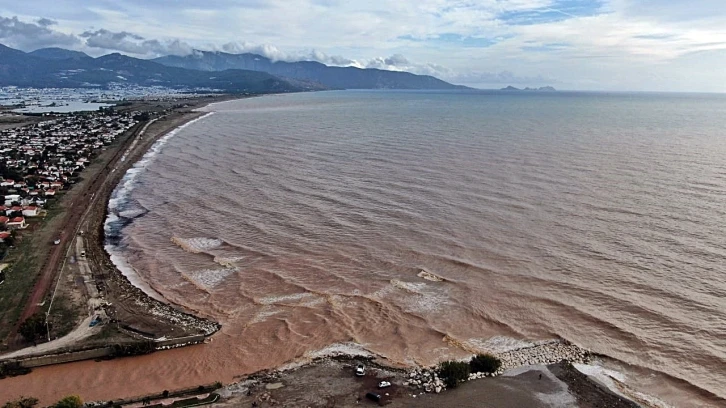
column 360, row 370
column 384, row 384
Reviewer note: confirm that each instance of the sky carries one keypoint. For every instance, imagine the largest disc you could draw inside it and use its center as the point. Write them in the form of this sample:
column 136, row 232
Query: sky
column 610, row 45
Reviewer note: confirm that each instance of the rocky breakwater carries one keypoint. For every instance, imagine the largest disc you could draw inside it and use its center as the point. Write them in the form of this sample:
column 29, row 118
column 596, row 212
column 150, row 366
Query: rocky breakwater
column 427, row 379
column 543, row 353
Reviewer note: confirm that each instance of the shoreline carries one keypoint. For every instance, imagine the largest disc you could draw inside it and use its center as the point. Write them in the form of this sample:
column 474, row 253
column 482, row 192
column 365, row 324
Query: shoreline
column 120, row 291
column 127, row 285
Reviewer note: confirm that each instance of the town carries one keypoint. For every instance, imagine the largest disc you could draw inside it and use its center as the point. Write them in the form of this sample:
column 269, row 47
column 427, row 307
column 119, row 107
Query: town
column 39, row 160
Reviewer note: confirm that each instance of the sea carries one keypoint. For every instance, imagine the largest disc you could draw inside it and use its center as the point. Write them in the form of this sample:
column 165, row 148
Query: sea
column 422, row 226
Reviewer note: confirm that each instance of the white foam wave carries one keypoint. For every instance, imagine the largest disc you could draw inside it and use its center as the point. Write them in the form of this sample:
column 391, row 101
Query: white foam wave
column 209, row 278
column 422, row 298
column 133, row 213
column 429, row 276
column 413, row 287
column 340, row 349
column 296, row 298
column 602, row 374
column 499, row 344
column 121, row 263
column 198, row 244
column 228, row 261
column 617, row 383
column 264, row 313
column 121, row 195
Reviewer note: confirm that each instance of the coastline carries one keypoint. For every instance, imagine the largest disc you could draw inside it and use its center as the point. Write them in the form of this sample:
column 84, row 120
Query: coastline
column 137, row 315
column 118, row 278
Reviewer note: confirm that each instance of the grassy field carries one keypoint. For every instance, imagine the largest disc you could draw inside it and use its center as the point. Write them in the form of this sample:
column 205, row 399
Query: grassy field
column 24, row 263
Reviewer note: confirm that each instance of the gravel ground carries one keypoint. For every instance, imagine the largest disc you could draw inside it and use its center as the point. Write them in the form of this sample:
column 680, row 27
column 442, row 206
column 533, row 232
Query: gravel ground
column 331, row 383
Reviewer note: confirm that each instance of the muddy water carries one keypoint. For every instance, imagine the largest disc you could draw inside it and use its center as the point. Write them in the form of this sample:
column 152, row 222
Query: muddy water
column 426, row 226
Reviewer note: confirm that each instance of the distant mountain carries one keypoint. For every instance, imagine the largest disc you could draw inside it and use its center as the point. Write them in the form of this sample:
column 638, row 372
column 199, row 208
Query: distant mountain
column 48, row 68
column 58, row 54
column 334, row 77
column 540, row 89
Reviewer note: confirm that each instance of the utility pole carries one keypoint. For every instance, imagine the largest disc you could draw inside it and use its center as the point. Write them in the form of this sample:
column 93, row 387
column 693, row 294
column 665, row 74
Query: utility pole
column 47, row 328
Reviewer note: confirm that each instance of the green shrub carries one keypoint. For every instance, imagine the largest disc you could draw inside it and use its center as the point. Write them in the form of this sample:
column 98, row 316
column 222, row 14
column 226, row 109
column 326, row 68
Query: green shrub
column 71, row 401
column 34, row 327
column 453, row 372
column 484, row 363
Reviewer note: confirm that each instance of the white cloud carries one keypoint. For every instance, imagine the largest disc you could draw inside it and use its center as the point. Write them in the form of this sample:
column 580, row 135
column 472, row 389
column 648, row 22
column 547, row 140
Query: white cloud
column 594, row 43
column 134, row 44
column 16, row 33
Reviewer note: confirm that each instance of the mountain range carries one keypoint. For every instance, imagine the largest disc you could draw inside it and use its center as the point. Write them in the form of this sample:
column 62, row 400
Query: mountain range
column 251, row 73
column 333, row 77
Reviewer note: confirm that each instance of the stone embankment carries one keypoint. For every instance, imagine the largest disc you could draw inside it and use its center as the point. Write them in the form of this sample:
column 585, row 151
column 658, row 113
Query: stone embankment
column 427, row 380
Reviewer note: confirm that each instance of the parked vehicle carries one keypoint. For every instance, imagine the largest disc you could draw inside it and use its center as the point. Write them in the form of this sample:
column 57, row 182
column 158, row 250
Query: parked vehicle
column 384, row 384
column 360, row 370
column 56, row 242
column 96, row 320
column 373, row 396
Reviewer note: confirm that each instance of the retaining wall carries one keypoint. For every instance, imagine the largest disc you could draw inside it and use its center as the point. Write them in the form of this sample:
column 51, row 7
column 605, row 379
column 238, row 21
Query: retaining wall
column 92, row 354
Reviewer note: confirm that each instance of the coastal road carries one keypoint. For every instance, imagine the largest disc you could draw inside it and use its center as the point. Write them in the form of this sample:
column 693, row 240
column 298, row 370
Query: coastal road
column 86, row 272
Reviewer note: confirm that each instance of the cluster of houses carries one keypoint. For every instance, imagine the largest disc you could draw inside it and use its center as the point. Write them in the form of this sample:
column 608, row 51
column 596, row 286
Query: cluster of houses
column 39, row 160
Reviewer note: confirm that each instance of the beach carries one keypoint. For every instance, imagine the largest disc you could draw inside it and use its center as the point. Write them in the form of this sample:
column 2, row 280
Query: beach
column 85, row 214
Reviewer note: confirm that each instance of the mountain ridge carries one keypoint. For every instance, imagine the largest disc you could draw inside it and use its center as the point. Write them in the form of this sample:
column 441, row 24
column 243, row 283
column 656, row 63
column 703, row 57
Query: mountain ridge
column 49, row 68
column 331, row 76
column 247, row 72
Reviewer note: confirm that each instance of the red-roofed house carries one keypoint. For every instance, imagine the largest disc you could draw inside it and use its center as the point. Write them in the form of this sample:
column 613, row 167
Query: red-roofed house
column 3, row 235
column 4, row 220
column 50, row 192
column 31, row 211
column 17, row 223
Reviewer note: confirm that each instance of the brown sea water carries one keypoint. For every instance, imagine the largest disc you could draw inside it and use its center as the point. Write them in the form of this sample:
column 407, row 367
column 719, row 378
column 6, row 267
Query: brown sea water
column 424, row 226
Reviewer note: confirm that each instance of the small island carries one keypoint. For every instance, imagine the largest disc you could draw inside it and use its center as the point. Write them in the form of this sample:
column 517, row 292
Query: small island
column 540, row 89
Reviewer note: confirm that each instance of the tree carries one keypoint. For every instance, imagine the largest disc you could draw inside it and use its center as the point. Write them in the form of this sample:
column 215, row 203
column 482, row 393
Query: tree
column 71, row 401
column 34, row 327
column 453, row 372
column 22, row 402
column 484, row 363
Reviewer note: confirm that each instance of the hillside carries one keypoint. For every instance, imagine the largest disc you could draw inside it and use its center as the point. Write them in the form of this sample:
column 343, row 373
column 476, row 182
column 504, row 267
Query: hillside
column 61, row 68
column 334, row 77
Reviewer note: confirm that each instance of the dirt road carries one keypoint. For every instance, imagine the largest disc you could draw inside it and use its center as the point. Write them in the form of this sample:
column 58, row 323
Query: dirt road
column 83, row 331
column 69, row 226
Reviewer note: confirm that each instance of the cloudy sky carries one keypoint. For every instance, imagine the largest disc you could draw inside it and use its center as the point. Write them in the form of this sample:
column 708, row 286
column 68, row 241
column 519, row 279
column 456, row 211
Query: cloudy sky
column 656, row 45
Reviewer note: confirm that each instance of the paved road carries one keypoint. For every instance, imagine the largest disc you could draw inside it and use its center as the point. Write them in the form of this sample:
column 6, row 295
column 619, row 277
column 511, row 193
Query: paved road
column 81, row 332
